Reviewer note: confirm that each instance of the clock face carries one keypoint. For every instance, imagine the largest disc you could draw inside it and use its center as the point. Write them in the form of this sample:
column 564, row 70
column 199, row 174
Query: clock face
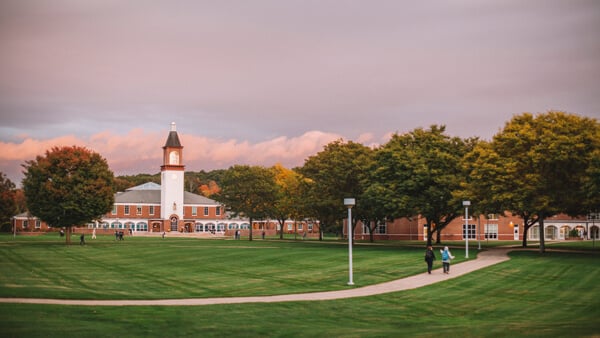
column 174, row 157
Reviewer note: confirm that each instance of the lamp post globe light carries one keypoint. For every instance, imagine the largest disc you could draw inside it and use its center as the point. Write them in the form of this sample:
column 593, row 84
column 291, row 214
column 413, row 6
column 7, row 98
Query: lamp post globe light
column 349, row 203
column 466, row 205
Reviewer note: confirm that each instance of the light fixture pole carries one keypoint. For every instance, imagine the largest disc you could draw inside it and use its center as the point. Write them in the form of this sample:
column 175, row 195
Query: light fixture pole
column 466, row 205
column 349, row 203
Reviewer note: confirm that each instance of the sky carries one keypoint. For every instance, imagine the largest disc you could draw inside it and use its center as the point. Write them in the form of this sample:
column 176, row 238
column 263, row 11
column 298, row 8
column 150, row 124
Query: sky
column 272, row 81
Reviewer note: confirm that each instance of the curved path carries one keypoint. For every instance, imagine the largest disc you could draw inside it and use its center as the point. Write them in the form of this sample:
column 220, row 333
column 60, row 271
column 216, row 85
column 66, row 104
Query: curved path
column 484, row 259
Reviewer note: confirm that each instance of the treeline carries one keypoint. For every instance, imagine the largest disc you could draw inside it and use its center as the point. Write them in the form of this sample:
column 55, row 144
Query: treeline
column 535, row 167
column 199, row 182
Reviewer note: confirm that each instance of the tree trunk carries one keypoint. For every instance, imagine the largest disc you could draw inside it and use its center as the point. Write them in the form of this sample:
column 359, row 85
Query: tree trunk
column 525, row 231
column 68, row 234
column 429, row 233
column 438, row 236
column 281, row 224
column 542, row 242
column 251, row 228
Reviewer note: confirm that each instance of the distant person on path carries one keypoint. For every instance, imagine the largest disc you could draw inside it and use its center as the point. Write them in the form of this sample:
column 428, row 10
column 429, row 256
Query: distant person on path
column 94, row 233
column 163, row 235
column 82, row 239
column 429, row 258
column 446, row 257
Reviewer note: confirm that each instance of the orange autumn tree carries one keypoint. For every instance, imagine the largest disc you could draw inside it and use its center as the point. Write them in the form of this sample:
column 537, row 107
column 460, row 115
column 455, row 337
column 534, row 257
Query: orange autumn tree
column 288, row 204
column 209, row 189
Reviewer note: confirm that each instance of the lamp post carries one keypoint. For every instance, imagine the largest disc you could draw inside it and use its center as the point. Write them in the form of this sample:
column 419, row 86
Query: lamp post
column 466, row 205
column 349, row 203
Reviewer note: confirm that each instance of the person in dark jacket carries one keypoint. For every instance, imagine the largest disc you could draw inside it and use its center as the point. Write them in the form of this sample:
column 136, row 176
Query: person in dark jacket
column 429, row 258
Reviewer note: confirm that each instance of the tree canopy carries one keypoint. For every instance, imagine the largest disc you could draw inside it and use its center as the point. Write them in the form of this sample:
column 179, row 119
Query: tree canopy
column 249, row 191
column 68, row 187
column 417, row 173
column 339, row 171
column 8, row 204
column 538, row 166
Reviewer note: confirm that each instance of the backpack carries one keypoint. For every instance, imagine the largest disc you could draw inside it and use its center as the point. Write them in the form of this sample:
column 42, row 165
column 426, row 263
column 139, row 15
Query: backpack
column 445, row 255
column 428, row 255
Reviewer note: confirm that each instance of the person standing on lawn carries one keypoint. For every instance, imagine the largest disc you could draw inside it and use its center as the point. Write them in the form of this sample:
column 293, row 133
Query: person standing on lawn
column 429, row 258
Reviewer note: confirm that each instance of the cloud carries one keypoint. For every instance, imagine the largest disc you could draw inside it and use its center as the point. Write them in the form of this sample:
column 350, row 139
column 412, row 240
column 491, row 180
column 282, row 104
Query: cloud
column 140, row 151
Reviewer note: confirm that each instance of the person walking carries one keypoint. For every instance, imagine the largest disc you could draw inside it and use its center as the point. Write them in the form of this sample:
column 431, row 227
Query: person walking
column 94, row 233
column 82, row 239
column 429, row 258
column 446, row 257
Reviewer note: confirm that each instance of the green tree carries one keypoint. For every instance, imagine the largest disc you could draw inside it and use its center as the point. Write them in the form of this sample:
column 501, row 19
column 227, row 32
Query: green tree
column 340, row 170
column 249, row 191
column 418, row 174
column 539, row 166
column 8, row 205
column 68, row 187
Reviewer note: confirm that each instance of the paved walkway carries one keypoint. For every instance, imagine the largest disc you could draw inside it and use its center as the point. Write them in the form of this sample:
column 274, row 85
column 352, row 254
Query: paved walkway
column 485, row 259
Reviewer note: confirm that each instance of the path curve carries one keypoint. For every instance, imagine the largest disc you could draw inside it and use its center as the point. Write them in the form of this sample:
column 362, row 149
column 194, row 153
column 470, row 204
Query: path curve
column 484, row 259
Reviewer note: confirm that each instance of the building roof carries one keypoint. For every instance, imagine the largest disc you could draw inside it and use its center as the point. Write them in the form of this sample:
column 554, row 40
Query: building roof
column 149, row 193
column 146, row 186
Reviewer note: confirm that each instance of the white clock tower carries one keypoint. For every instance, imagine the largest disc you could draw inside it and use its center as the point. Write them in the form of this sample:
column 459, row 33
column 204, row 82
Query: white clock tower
column 171, row 178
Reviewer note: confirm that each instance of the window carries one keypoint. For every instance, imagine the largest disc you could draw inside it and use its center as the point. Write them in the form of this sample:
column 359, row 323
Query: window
column 141, row 226
column 25, row 223
column 491, row 231
column 365, row 229
column 114, row 209
column 492, row 216
column 470, row 231
column 289, row 226
column 138, row 210
column 205, row 211
column 310, row 227
column 218, row 211
column 300, row 227
column 38, row 224
column 194, row 211
column 381, row 228
column 151, row 210
column 534, row 232
column 126, row 210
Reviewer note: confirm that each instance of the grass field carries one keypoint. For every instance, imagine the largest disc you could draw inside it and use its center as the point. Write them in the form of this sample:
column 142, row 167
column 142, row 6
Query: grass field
column 553, row 295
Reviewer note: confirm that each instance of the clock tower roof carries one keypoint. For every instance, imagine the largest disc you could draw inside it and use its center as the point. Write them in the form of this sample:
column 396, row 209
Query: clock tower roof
column 173, row 139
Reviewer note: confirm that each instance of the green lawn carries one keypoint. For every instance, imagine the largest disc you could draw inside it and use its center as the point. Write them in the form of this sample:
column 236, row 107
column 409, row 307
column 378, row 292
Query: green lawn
column 553, row 295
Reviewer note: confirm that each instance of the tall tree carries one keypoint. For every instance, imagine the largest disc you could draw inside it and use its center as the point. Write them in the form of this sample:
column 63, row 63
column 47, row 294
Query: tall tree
column 8, row 205
column 68, row 187
column 340, row 170
column 288, row 203
column 249, row 191
column 538, row 166
column 418, row 172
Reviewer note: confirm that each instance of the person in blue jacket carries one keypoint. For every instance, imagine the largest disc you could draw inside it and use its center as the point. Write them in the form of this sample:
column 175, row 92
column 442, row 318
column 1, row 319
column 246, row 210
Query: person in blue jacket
column 446, row 257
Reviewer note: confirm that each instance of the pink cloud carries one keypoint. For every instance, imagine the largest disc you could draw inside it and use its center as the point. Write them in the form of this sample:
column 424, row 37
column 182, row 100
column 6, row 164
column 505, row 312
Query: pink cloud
column 140, row 151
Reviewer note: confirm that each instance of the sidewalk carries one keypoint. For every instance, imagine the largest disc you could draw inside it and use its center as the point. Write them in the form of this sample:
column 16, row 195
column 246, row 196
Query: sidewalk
column 485, row 259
